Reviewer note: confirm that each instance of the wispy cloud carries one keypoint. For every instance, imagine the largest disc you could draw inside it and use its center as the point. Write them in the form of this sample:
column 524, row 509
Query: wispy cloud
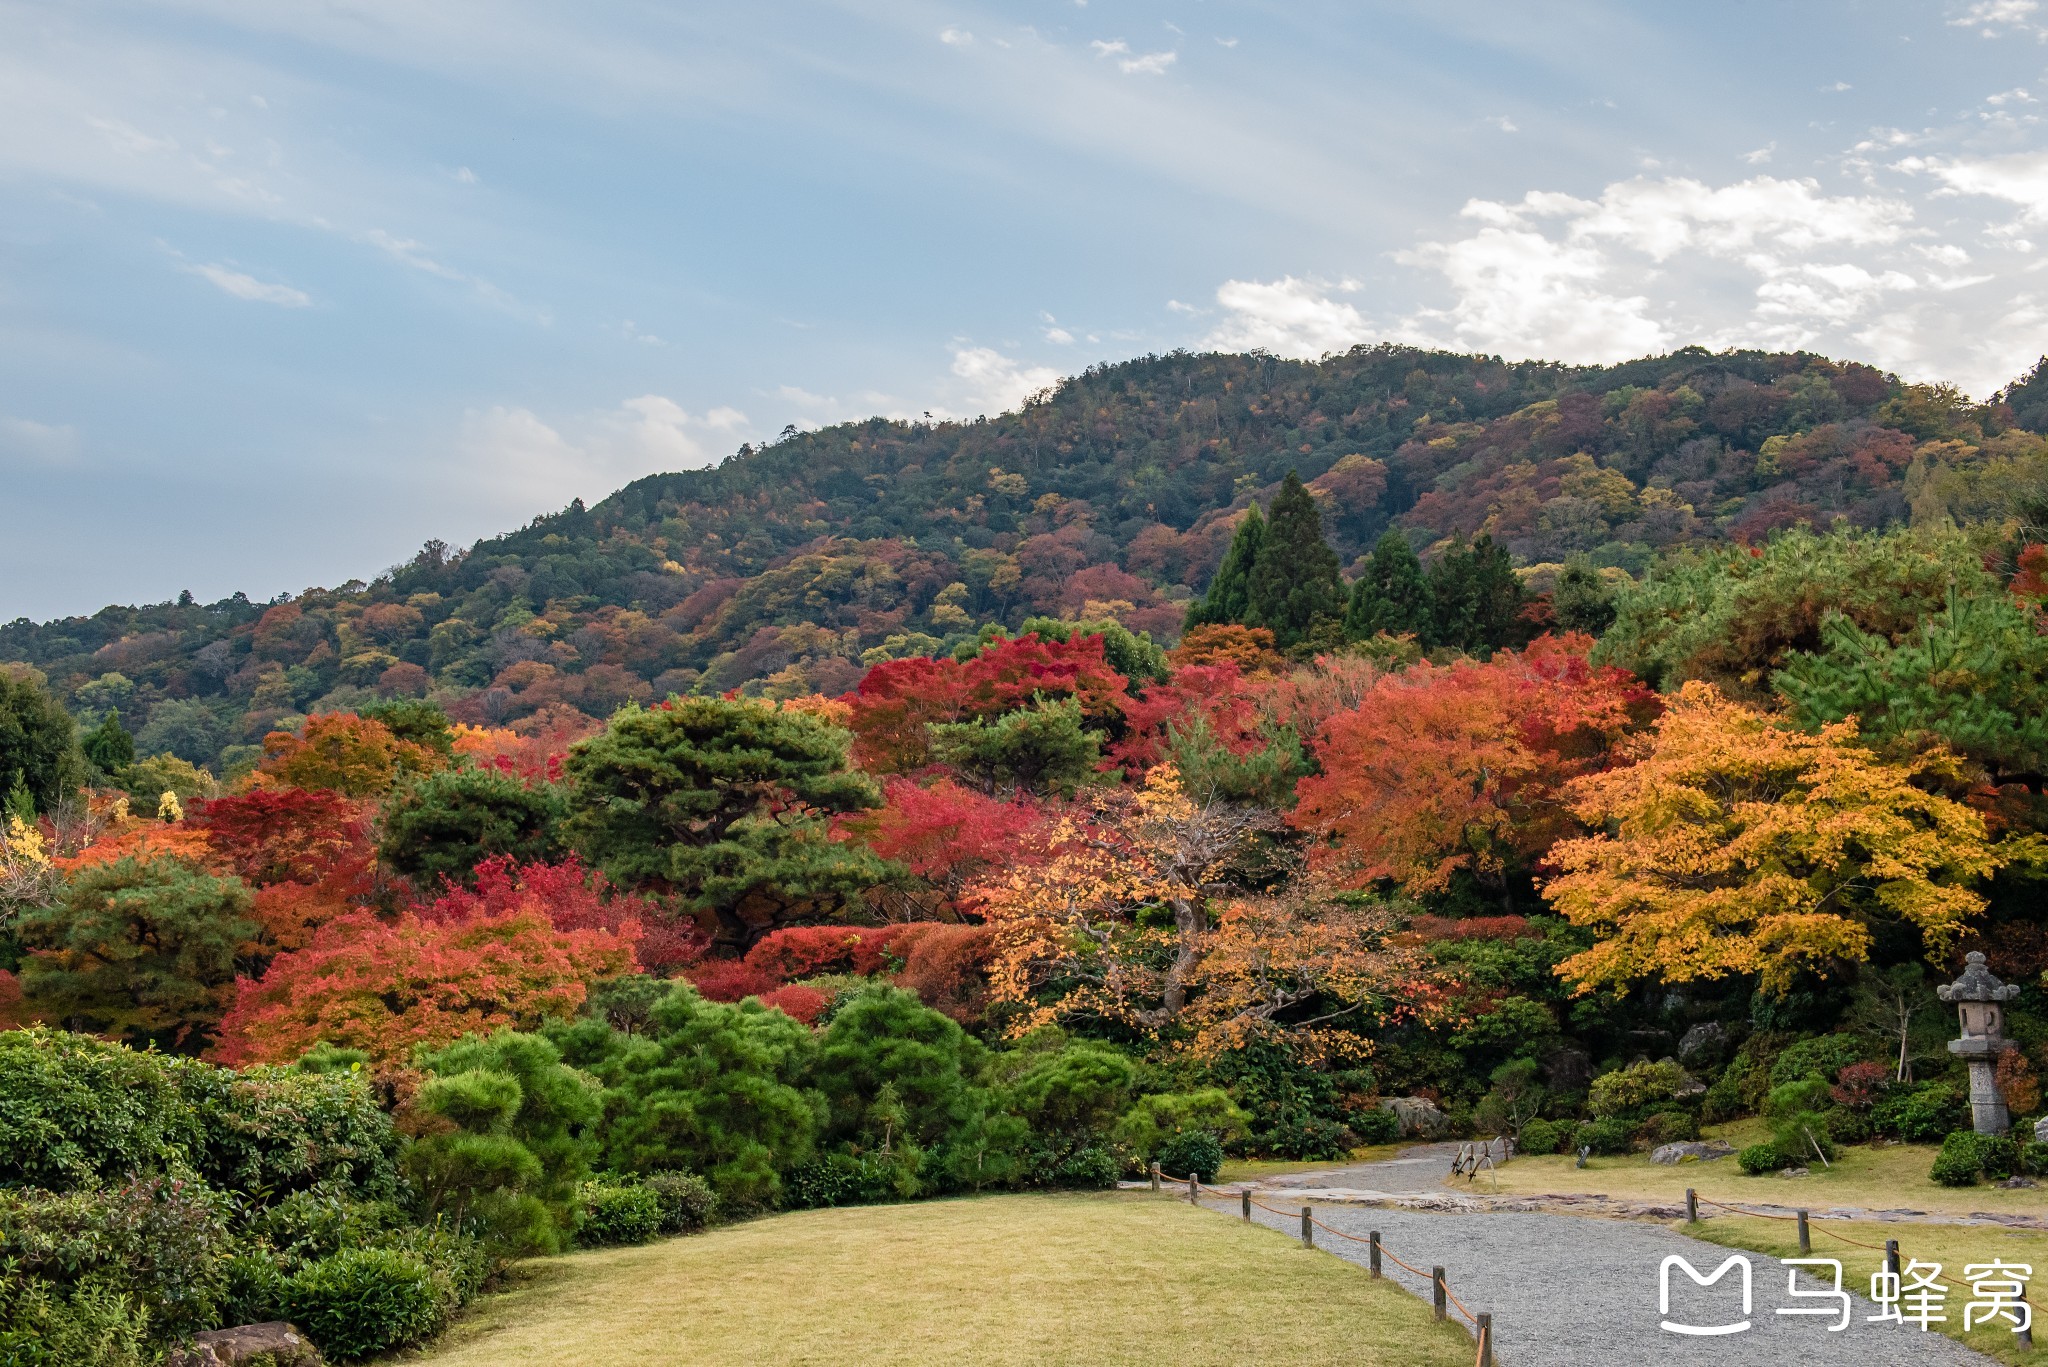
column 244, row 286
column 1131, row 63
column 956, row 37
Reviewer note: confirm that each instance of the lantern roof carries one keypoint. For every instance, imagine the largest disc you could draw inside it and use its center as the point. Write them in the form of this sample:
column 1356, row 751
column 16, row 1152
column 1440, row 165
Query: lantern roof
column 1978, row 983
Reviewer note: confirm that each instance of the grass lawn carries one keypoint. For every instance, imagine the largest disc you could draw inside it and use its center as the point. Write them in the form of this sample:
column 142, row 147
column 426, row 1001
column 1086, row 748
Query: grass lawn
column 1108, row 1278
column 1952, row 1246
column 1887, row 1178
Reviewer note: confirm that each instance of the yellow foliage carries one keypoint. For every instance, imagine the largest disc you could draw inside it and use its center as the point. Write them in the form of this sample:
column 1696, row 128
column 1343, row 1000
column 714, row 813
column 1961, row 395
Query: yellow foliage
column 167, row 808
column 1738, row 844
column 25, row 844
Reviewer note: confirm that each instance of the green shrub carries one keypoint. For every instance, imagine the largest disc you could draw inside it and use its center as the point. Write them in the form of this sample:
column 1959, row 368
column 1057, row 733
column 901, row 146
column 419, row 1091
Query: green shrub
column 1604, row 1137
column 1790, row 1098
column 1961, row 1160
column 162, row 1243
column 1639, row 1084
column 2034, row 1158
column 93, row 1324
column 1999, row 1156
column 1666, row 1127
column 1192, row 1152
column 76, row 1110
column 1090, row 1169
column 1758, row 1159
column 838, row 1179
column 1153, row 1120
column 617, row 1213
column 364, row 1301
column 1539, row 1136
column 1377, row 1127
column 1845, row 1125
column 316, row 1223
column 1821, row 1057
column 1798, row 1135
column 1923, row 1115
column 687, row 1201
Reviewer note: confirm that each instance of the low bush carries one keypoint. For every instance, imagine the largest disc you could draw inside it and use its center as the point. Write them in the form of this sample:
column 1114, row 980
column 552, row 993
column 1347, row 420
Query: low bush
column 687, row 1202
column 1758, row 1159
column 1376, row 1126
column 1803, row 1137
column 1790, row 1098
column 364, row 1301
column 1603, row 1137
column 1921, row 1115
column 838, row 1179
column 1090, row 1169
column 1540, row 1136
column 1627, row 1089
column 1960, row 1162
column 162, row 1244
column 1846, row 1126
column 1822, row 1056
column 1666, row 1127
column 612, row 1212
column 92, row 1324
column 1152, row 1121
column 1192, row 1152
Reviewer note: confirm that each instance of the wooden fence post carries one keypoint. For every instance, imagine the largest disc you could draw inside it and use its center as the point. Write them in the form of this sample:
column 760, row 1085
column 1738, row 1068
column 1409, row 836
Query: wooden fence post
column 1692, row 1206
column 1155, row 1177
column 1247, row 1195
column 1891, row 1256
column 1805, row 1237
column 1439, row 1294
column 1308, row 1230
column 1194, row 1190
column 1372, row 1244
column 1485, row 1320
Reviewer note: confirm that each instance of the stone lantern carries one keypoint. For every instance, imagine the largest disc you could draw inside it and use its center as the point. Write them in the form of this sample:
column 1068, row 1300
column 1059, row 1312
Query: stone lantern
column 1978, row 996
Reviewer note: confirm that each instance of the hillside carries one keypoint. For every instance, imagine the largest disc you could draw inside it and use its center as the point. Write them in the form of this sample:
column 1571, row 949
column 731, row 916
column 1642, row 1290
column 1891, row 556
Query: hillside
column 784, row 568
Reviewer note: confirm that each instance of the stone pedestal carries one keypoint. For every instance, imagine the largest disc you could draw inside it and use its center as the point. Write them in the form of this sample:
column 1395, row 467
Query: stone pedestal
column 1979, row 999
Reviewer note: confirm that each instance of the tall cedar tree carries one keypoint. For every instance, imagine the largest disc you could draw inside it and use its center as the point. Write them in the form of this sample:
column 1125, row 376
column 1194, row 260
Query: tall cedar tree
column 1294, row 581
column 1477, row 598
column 1229, row 592
column 1392, row 596
column 38, row 744
column 725, row 802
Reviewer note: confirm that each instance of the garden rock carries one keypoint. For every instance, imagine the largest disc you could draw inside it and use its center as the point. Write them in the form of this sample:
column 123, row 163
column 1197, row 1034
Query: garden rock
column 276, row 1344
column 1705, row 1042
column 1690, row 1151
column 2041, row 1130
column 1418, row 1115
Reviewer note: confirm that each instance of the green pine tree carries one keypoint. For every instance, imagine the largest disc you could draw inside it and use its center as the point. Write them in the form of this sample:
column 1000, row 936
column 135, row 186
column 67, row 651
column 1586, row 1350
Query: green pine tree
column 1392, row 595
column 1477, row 598
column 1229, row 592
column 1295, row 579
column 1581, row 599
column 108, row 745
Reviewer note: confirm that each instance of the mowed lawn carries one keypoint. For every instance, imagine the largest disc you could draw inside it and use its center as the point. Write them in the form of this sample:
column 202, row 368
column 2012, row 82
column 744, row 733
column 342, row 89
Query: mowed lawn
column 1108, row 1278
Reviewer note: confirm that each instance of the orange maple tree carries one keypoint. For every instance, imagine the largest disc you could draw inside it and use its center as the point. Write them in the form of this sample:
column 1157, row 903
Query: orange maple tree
column 358, row 756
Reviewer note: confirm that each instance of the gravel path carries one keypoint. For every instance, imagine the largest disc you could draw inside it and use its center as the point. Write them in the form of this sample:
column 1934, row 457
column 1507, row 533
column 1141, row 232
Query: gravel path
column 1567, row 1291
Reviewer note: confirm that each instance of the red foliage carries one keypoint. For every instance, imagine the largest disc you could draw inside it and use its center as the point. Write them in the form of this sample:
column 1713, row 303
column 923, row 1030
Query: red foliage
column 573, row 898
column 1860, row 1085
column 1216, row 693
column 307, row 852
column 798, row 1002
column 730, row 980
column 390, row 986
column 807, row 951
column 946, row 966
column 2031, row 579
column 1474, row 928
column 946, row 833
column 897, row 699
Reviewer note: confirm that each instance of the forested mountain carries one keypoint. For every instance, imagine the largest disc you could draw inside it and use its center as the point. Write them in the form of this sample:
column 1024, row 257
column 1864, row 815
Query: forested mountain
column 787, row 567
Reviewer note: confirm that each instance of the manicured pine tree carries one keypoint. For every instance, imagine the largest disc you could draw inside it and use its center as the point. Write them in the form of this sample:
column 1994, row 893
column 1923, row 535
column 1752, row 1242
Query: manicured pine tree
column 1392, row 595
column 1295, row 580
column 1229, row 590
column 1477, row 597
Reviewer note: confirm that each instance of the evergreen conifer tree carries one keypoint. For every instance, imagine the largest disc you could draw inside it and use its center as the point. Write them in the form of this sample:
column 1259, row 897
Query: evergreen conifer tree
column 1229, row 590
column 1295, row 580
column 1392, row 595
column 1581, row 601
column 108, row 745
column 1476, row 597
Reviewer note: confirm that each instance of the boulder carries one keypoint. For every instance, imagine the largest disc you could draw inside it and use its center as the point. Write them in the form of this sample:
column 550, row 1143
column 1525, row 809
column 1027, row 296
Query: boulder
column 283, row 1344
column 1418, row 1115
column 1690, row 1151
column 1704, row 1043
column 2041, row 1130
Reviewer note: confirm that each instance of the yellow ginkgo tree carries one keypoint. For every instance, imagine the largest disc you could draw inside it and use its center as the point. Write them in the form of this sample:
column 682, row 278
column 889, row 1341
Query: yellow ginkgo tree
column 1738, row 844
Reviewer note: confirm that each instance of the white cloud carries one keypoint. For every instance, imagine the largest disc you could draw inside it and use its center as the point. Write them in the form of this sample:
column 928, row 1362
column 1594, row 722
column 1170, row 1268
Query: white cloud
column 2020, row 178
column 39, row 443
column 1288, row 317
column 1522, row 294
column 1990, row 17
column 1059, row 336
column 1504, row 124
column 955, row 37
column 533, row 463
column 248, row 287
column 465, row 175
column 1761, row 154
column 413, row 254
column 1134, row 64
column 994, row 383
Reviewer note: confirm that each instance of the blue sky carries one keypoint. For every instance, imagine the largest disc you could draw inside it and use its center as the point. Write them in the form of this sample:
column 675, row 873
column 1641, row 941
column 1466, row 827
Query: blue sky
column 288, row 288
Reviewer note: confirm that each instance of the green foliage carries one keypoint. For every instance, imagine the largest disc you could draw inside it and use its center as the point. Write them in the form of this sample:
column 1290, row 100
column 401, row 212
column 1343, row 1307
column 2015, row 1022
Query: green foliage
column 1581, row 600
column 269, row 1131
column 688, row 1203
column 1923, row 1115
column 365, row 1301
column 1638, row 1085
column 1604, row 1137
column 1819, row 1056
column 717, row 1090
column 1070, row 1092
column 1132, row 654
column 1790, row 1098
column 441, row 825
column 1541, row 1136
column 1044, row 748
column 1228, row 597
column 1966, row 1156
column 1759, row 1159
column 1476, row 598
column 1972, row 675
column 160, row 1242
column 1297, row 1109
column 517, row 1144
column 38, row 743
column 1153, row 1120
column 413, row 720
column 1734, row 618
column 614, row 1212
column 149, row 778
column 108, row 746
column 75, row 1111
column 1798, row 1136
column 139, row 949
column 1196, row 1153
column 1384, row 1127
column 1391, row 594
column 1294, row 582
column 1212, row 771
column 1666, row 1127
column 93, row 1324
column 184, row 727
column 722, row 800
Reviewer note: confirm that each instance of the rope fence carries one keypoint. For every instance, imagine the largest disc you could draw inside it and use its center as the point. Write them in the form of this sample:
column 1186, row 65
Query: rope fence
column 1440, row 1291
column 1807, row 1223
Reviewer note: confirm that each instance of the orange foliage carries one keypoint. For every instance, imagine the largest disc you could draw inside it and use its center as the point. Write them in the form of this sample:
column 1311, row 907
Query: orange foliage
column 1250, row 649
column 146, row 840
column 343, row 752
